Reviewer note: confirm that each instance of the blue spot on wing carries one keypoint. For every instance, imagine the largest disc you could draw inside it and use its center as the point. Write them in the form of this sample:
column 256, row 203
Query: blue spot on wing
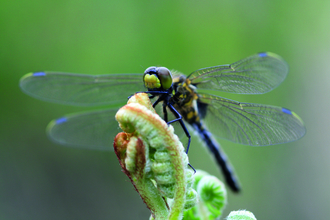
column 263, row 54
column 61, row 120
column 286, row 111
column 39, row 74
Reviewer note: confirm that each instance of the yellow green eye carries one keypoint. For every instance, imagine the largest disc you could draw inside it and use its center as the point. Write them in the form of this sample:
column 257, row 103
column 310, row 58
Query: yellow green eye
column 165, row 77
column 151, row 81
column 157, row 78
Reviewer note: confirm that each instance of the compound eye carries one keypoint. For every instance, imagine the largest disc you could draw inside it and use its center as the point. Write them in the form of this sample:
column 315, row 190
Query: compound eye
column 150, row 78
column 165, row 77
column 150, row 70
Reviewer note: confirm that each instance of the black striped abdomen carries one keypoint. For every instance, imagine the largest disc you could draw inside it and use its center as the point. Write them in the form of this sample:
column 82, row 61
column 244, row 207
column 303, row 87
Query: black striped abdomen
column 218, row 154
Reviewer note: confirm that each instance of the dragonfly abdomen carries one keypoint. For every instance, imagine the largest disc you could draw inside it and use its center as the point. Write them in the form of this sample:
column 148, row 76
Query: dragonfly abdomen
column 219, row 155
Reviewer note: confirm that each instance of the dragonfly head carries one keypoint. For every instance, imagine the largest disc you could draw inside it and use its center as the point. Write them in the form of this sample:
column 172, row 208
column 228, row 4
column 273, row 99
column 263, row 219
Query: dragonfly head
column 157, row 78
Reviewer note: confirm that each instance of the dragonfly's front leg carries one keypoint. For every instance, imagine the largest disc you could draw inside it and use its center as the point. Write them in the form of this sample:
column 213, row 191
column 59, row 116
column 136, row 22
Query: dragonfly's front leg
column 153, row 93
column 152, row 96
column 165, row 112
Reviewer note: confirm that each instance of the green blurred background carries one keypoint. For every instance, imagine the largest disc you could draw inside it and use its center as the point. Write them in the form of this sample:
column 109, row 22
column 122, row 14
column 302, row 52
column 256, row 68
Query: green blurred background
column 42, row 180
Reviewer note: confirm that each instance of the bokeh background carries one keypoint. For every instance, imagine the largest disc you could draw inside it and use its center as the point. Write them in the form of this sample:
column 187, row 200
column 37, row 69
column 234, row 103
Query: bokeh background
column 42, row 180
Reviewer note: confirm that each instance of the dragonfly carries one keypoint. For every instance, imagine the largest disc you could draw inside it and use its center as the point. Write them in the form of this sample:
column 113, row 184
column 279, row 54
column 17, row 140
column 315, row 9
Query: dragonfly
column 210, row 115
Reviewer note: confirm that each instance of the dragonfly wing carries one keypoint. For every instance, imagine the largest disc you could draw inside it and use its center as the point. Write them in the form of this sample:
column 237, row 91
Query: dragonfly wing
column 256, row 74
column 91, row 130
column 249, row 123
column 81, row 89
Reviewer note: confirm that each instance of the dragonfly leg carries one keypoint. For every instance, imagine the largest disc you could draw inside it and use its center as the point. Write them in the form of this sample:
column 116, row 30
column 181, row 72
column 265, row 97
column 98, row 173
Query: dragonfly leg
column 152, row 96
column 165, row 112
column 192, row 168
column 179, row 119
column 153, row 93
column 157, row 101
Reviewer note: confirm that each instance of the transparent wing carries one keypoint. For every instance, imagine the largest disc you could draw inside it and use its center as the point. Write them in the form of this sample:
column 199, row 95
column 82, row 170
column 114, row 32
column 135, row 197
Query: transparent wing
column 92, row 130
column 81, row 89
column 256, row 74
column 251, row 124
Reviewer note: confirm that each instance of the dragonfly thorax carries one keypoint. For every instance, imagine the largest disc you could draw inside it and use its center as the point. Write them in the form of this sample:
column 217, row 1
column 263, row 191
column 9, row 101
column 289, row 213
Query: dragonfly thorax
column 184, row 92
column 157, row 78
